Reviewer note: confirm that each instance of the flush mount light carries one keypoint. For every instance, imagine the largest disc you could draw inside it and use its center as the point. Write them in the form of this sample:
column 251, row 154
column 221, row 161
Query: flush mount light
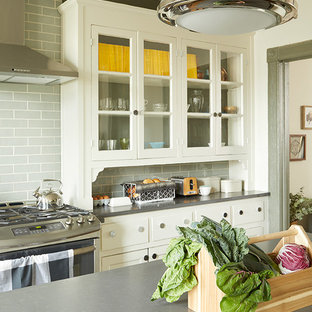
column 226, row 17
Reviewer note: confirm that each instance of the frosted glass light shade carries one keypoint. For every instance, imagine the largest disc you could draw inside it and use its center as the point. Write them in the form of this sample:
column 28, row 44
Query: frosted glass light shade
column 226, row 17
column 226, row 21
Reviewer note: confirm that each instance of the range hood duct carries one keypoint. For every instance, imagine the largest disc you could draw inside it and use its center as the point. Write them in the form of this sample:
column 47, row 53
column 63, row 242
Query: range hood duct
column 20, row 64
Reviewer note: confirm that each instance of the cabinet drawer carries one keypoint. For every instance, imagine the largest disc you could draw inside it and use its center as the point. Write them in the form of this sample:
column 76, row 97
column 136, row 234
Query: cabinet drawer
column 255, row 231
column 157, row 253
column 123, row 260
column 216, row 212
column 164, row 227
column 248, row 212
column 124, row 233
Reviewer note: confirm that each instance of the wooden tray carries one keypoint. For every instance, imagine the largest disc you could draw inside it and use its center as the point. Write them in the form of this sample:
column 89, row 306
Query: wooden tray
column 289, row 292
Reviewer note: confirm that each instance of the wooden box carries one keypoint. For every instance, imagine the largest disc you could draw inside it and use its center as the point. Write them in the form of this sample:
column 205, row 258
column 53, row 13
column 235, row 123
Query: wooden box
column 289, row 292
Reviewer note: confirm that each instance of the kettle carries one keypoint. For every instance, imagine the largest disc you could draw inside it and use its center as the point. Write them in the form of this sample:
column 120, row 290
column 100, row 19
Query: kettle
column 49, row 197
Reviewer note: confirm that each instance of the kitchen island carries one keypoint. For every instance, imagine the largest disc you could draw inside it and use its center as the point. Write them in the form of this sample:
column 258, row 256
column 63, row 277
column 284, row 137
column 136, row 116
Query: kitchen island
column 122, row 290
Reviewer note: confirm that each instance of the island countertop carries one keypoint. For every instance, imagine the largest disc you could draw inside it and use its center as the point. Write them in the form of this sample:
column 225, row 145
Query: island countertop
column 127, row 289
column 179, row 202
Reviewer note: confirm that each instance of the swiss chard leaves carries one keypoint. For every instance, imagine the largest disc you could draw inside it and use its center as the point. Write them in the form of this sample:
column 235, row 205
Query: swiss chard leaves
column 243, row 289
column 179, row 277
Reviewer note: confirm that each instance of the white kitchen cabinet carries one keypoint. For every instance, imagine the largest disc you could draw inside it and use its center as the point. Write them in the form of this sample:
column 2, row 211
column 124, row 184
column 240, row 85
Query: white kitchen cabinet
column 164, row 226
column 129, row 244
column 133, row 102
column 125, row 114
column 123, row 260
column 118, row 233
column 214, row 100
column 249, row 214
column 216, row 212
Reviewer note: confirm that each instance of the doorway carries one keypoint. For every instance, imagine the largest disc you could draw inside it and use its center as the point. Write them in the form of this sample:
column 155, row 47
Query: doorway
column 278, row 117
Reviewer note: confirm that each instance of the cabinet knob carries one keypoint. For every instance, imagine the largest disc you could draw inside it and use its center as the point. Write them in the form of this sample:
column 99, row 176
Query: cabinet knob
column 141, row 229
column 154, row 256
column 215, row 114
column 241, row 212
column 220, row 114
column 186, row 221
column 145, row 258
column 112, row 234
column 135, row 112
column 225, row 215
column 162, row 225
column 259, row 209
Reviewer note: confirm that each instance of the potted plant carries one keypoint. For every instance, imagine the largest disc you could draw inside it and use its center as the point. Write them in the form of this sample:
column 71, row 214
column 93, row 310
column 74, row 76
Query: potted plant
column 299, row 206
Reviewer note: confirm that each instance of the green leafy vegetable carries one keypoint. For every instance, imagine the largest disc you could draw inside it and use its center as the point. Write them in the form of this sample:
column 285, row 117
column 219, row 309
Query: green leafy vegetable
column 224, row 243
column 243, row 289
column 179, row 277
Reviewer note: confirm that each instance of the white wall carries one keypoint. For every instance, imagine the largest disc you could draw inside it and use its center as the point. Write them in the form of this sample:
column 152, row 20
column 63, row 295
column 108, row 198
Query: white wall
column 295, row 31
column 300, row 93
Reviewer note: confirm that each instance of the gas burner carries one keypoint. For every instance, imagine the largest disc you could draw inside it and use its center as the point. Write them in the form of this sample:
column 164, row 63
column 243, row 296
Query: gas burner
column 21, row 213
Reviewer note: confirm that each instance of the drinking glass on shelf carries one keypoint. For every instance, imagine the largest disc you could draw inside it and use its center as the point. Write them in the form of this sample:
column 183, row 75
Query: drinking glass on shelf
column 121, row 104
column 107, row 103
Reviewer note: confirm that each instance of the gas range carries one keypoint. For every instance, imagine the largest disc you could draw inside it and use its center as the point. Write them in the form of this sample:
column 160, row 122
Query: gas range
column 23, row 225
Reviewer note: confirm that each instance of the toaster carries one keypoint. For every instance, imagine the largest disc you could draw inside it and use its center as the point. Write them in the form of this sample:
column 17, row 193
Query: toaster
column 185, row 186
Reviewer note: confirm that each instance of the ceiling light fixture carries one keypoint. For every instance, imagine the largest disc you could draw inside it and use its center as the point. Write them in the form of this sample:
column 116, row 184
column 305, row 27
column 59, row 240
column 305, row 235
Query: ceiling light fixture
column 226, row 17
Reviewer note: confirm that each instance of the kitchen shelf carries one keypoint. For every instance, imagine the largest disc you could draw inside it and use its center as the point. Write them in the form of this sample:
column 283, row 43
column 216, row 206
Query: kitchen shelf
column 230, row 85
column 199, row 115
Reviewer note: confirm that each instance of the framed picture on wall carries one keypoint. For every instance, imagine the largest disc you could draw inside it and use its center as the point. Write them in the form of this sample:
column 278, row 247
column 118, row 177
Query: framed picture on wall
column 297, row 147
column 306, row 117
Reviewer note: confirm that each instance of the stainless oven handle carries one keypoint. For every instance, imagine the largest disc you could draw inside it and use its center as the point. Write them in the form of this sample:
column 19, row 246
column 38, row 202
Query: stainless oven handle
column 83, row 250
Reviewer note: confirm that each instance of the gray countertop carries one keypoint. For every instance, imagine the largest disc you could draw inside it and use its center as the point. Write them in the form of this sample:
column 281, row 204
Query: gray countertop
column 127, row 289
column 179, row 202
column 122, row 290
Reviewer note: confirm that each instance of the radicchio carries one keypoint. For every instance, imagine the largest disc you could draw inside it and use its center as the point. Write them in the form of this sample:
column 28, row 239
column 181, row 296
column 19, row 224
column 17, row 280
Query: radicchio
column 292, row 258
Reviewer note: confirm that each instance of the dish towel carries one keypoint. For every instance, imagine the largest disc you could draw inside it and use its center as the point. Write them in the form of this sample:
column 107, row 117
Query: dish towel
column 36, row 270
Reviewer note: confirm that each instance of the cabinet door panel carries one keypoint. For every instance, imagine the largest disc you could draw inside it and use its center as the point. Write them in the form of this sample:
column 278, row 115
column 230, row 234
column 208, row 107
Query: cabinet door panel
column 113, row 94
column 123, row 260
column 157, row 100
column 122, row 234
column 248, row 212
column 164, row 227
column 216, row 212
column 198, row 92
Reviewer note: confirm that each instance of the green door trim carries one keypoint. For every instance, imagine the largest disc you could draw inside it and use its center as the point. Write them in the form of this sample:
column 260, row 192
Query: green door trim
column 278, row 144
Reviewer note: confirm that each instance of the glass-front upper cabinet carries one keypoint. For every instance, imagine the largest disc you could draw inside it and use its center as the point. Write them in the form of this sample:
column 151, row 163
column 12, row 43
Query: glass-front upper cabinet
column 113, row 93
column 198, row 105
column 231, row 77
column 157, row 72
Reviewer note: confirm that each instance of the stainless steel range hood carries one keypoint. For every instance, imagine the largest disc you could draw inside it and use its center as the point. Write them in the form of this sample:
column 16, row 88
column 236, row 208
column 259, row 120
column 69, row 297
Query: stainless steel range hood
column 18, row 63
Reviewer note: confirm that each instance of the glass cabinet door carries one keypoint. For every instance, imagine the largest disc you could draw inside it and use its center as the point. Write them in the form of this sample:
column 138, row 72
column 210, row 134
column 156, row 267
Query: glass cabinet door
column 231, row 105
column 156, row 98
column 113, row 94
column 198, row 104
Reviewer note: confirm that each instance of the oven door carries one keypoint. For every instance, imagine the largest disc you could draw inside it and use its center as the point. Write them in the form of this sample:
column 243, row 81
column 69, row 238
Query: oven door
column 84, row 254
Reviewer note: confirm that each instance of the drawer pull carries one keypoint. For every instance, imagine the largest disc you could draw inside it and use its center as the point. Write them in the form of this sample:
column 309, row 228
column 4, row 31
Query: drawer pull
column 112, row 234
column 259, row 209
column 225, row 215
column 162, row 225
column 145, row 258
column 186, row 221
column 241, row 212
column 141, row 229
column 154, row 256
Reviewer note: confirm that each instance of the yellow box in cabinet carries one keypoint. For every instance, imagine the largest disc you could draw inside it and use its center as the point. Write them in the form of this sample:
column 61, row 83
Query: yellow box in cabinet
column 191, row 66
column 289, row 292
column 156, row 62
column 114, row 57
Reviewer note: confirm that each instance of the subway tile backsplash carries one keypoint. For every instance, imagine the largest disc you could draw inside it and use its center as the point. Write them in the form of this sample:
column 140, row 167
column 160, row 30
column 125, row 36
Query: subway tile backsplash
column 109, row 180
column 30, row 131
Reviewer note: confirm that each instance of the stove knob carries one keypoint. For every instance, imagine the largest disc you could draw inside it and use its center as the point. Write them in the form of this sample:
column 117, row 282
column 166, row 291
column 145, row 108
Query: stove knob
column 69, row 221
column 81, row 220
column 91, row 218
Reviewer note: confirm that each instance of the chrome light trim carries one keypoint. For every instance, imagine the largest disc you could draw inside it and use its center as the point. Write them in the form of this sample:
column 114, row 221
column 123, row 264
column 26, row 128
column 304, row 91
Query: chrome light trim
column 284, row 10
